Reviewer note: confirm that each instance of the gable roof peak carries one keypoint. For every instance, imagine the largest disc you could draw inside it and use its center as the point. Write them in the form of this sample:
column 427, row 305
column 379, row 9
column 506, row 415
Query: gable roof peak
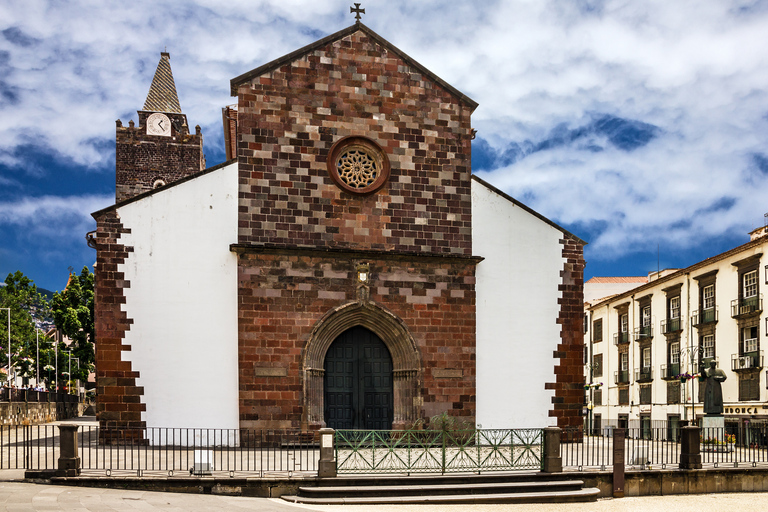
column 358, row 26
column 162, row 95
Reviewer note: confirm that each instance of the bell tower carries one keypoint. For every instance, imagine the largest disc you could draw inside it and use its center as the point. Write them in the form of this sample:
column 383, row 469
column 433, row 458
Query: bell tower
column 160, row 150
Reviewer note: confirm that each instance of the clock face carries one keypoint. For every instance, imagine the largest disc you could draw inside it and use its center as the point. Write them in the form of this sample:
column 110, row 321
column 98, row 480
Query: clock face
column 159, row 124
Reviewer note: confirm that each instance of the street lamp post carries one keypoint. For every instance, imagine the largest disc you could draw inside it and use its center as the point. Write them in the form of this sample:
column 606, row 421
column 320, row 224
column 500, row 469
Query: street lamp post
column 37, row 359
column 590, row 406
column 9, row 345
column 77, row 386
column 689, row 354
column 69, row 371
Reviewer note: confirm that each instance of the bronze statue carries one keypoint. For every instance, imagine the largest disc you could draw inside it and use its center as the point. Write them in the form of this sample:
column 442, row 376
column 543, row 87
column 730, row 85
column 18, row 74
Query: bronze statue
column 713, row 392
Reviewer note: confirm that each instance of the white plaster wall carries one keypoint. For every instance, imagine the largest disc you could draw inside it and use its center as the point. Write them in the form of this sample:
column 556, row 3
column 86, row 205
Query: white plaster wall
column 517, row 310
column 183, row 301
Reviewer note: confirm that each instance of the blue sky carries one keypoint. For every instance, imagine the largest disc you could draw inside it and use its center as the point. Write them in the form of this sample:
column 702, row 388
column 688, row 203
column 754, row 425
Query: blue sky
column 641, row 126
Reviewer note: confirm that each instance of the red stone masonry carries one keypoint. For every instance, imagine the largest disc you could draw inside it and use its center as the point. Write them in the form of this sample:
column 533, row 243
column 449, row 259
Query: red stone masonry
column 142, row 160
column 296, row 225
column 118, row 399
column 568, row 401
column 283, row 295
column 289, row 118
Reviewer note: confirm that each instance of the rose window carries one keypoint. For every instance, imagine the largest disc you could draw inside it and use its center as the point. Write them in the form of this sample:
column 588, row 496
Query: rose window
column 358, row 165
column 357, row 168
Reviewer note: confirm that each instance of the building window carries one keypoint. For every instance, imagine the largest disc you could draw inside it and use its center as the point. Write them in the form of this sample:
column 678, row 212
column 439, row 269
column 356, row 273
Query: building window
column 597, row 330
column 750, row 284
column 708, row 346
column 645, row 395
column 673, row 392
column 646, row 316
column 749, row 337
column 647, row 357
column 624, row 321
column 597, row 365
column 708, row 297
column 623, row 396
column 749, row 386
column 674, row 307
column 624, row 361
column 597, row 397
column 674, row 352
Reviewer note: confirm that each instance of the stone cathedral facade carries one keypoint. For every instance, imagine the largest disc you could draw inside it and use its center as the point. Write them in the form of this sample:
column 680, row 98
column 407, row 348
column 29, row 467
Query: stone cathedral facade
column 337, row 271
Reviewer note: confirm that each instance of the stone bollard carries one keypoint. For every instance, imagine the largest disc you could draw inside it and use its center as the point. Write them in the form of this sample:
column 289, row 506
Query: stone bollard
column 327, row 467
column 69, row 460
column 551, row 461
column 690, row 448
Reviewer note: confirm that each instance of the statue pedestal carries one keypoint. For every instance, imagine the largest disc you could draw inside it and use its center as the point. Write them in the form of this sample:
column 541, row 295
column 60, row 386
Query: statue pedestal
column 712, row 431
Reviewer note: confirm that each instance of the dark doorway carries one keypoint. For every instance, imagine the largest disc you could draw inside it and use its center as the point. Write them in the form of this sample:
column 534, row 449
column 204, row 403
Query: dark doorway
column 358, row 382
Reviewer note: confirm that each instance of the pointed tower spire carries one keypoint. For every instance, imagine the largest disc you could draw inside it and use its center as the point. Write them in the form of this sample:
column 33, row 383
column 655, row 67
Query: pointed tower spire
column 162, row 95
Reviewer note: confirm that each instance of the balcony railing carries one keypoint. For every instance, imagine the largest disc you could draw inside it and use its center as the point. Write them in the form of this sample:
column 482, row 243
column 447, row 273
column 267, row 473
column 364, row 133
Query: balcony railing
column 670, row 371
column 621, row 377
column 671, row 325
column 644, row 374
column 620, row 337
column 704, row 316
column 747, row 361
column 646, row 331
column 749, row 306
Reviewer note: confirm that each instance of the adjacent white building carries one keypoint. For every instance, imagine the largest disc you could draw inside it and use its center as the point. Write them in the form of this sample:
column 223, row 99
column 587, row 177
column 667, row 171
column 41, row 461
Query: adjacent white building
column 646, row 346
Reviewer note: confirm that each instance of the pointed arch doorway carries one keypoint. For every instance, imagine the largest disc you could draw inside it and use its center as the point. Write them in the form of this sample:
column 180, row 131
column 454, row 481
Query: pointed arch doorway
column 358, row 384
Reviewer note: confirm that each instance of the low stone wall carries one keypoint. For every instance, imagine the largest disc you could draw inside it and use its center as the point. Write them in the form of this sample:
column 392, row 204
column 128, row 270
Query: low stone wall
column 675, row 481
column 33, row 413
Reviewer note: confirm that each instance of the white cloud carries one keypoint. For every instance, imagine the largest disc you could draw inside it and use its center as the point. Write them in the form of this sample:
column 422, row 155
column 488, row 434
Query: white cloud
column 53, row 218
column 696, row 70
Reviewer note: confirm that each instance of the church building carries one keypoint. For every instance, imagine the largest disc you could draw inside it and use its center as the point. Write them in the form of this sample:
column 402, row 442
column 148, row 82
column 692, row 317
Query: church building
column 343, row 269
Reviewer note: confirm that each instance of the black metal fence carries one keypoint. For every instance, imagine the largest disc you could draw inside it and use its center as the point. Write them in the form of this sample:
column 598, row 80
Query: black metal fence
column 644, row 446
column 29, row 446
column 197, row 451
column 30, row 395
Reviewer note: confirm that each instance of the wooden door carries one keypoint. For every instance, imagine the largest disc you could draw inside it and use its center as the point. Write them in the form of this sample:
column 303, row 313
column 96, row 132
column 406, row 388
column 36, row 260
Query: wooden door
column 358, row 382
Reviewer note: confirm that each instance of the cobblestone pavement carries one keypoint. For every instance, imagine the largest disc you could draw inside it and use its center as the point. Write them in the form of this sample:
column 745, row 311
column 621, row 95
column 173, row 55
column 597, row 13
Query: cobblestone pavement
column 27, row 497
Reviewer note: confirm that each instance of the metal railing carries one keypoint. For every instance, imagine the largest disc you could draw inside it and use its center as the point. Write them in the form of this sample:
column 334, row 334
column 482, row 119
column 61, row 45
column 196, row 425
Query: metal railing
column 30, row 395
column 197, row 451
column 671, row 325
column 747, row 361
column 704, row 316
column 620, row 337
column 670, row 371
column 644, row 374
column 29, row 446
column 734, row 446
column 646, row 445
column 437, row 451
column 621, row 377
column 746, row 306
column 644, row 331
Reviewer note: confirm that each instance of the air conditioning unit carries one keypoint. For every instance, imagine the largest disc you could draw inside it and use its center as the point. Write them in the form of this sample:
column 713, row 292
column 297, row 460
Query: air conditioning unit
column 745, row 362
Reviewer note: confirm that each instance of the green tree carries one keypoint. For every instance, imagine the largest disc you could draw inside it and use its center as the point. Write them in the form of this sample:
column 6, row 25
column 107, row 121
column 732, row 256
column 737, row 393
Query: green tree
column 72, row 311
column 20, row 295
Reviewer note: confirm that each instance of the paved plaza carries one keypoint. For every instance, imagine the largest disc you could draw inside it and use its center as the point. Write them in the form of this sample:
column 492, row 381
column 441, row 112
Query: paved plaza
column 18, row 496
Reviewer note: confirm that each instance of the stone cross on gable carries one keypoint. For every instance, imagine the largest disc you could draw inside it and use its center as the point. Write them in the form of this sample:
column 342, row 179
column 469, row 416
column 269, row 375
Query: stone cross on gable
column 357, row 10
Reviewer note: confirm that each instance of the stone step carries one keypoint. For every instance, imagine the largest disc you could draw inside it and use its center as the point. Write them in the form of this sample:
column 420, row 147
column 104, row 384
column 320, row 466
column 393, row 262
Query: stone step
column 465, row 487
column 578, row 495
